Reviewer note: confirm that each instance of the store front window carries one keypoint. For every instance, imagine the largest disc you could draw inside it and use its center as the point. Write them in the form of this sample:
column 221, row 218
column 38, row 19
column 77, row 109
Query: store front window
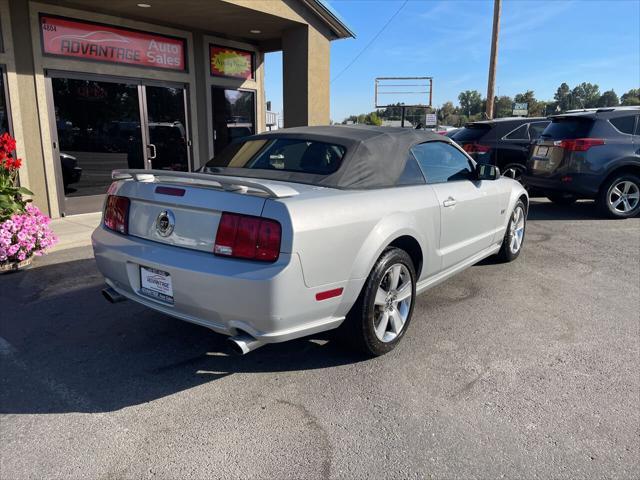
column 107, row 125
column 234, row 114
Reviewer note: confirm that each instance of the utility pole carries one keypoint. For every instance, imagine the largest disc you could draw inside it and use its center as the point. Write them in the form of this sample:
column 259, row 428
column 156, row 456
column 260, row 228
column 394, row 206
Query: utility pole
column 494, row 56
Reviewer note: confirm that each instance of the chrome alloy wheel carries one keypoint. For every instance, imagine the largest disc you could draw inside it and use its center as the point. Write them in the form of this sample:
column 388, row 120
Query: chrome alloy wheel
column 624, row 196
column 516, row 230
column 392, row 303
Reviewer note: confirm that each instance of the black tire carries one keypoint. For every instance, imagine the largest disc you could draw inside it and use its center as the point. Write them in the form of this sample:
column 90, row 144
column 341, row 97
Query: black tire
column 606, row 208
column 359, row 327
column 519, row 170
column 506, row 254
column 562, row 199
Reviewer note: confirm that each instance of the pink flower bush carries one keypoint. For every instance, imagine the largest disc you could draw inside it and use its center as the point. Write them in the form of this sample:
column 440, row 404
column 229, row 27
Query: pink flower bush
column 25, row 234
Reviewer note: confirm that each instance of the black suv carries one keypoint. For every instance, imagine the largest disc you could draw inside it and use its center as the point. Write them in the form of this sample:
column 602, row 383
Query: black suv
column 503, row 142
column 590, row 154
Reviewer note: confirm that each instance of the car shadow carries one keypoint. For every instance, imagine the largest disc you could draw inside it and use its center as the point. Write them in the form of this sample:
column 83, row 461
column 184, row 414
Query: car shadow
column 540, row 209
column 63, row 348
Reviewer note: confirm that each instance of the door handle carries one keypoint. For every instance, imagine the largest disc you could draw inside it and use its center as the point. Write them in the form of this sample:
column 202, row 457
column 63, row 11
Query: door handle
column 152, row 153
column 449, row 202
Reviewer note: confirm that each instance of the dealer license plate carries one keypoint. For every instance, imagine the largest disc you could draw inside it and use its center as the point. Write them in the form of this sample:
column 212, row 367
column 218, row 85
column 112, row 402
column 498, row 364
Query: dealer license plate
column 156, row 284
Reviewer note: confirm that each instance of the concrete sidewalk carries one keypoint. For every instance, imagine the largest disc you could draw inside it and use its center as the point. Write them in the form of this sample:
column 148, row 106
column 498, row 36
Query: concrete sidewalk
column 75, row 230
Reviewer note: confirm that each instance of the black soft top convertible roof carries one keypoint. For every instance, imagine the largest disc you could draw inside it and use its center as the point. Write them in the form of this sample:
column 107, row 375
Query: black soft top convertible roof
column 375, row 156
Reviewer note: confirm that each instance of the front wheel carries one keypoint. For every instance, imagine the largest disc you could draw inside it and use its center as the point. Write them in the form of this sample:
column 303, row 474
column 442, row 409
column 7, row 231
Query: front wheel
column 381, row 315
column 620, row 197
column 514, row 236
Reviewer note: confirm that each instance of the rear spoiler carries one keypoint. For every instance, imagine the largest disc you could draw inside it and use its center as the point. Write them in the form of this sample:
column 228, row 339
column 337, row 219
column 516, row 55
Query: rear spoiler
column 227, row 183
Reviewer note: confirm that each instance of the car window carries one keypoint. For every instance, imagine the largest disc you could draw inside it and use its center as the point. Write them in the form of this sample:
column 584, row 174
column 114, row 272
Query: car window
column 567, row 128
column 536, row 128
column 441, row 162
column 411, row 175
column 519, row 133
column 624, row 124
column 471, row 133
column 284, row 154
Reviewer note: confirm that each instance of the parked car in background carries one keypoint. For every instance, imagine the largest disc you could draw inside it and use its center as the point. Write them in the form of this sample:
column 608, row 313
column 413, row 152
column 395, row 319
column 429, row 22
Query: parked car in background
column 452, row 132
column 289, row 233
column 71, row 172
column 590, row 154
column 445, row 130
column 503, row 142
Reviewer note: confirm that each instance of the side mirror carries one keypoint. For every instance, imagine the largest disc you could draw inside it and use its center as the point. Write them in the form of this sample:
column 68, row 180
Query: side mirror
column 487, row 172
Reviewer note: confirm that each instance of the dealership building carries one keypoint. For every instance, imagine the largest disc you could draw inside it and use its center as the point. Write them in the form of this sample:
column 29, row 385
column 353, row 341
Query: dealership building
column 88, row 86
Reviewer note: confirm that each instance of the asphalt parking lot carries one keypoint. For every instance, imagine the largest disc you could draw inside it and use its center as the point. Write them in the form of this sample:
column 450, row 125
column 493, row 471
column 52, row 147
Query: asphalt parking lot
column 524, row 370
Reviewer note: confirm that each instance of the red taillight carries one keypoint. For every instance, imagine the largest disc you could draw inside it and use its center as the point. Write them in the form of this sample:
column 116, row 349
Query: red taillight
column 244, row 236
column 116, row 214
column 475, row 148
column 581, row 144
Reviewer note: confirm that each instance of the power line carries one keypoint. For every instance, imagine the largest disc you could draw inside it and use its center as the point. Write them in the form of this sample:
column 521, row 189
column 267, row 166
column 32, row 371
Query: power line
column 375, row 37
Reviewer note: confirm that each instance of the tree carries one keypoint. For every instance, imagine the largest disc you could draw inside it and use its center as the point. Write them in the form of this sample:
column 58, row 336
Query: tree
column 373, row 119
column 470, row 102
column 446, row 110
column 564, row 98
column 632, row 97
column 608, row 99
column 502, row 106
column 585, row 95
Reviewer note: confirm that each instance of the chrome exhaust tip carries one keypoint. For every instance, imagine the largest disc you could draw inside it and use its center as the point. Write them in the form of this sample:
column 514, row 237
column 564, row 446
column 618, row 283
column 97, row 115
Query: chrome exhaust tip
column 112, row 296
column 243, row 343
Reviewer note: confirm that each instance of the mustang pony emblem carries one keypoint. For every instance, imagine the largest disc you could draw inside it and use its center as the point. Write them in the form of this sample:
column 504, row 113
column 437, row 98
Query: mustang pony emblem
column 165, row 223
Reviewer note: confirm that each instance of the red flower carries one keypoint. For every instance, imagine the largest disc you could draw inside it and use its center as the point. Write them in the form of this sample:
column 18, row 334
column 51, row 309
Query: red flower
column 7, row 160
column 7, row 143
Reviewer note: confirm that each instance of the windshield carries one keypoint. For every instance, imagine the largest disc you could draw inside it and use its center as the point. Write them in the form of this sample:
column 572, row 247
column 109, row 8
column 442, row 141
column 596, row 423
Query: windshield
column 280, row 154
column 561, row 128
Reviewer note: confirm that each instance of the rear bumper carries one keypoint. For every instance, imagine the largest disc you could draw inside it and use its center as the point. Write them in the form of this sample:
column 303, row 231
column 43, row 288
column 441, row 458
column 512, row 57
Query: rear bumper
column 581, row 184
column 267, row 301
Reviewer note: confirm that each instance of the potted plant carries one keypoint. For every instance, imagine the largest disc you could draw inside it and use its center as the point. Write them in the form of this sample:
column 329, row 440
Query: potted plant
column 24, row 230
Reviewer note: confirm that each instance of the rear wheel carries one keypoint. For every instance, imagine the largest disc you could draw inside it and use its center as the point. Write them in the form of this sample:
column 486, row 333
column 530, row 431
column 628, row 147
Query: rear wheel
column 381, row 315
column 562, row 199
column 514, row 236
column 619, row 197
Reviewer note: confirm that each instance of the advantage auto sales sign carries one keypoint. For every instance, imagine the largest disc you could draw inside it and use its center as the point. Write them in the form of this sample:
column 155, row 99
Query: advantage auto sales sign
column 86, row 40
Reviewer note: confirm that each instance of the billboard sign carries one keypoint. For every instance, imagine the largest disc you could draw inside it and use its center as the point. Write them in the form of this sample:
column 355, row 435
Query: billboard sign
column 91, row 41
column 230, row 62
column 520, row 109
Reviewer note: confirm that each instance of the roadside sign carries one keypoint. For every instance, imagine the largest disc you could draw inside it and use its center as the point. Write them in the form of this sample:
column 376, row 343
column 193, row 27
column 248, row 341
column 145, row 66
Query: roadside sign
column 520, row 109
column 430, row 119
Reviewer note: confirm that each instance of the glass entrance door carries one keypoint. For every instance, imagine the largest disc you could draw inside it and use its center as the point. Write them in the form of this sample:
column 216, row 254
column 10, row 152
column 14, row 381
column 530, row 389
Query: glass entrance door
column 98, row 130
column 103, row 125
column 234, row 115
column 168, row 140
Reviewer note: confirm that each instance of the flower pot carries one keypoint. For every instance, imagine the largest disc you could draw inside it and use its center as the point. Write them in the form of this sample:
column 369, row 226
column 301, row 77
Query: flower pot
column 10, row 267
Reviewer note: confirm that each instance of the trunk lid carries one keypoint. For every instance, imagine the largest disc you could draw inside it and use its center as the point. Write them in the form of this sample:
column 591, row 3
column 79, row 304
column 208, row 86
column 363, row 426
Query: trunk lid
column 184, row 209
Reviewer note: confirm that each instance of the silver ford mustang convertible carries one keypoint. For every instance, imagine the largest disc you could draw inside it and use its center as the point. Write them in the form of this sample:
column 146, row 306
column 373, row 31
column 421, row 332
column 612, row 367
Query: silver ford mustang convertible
column 293, row 232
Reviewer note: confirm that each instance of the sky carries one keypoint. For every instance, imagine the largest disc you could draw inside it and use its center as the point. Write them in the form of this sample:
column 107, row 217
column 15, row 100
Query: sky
column 542, row 44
